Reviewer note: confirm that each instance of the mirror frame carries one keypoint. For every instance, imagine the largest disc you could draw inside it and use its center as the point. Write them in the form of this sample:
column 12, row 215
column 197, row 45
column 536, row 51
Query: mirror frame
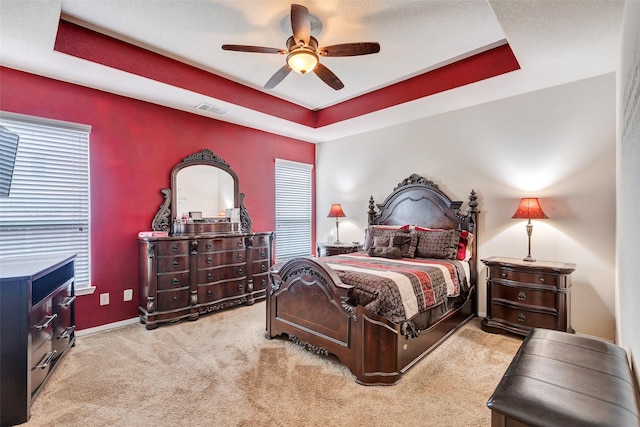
column 165, row 216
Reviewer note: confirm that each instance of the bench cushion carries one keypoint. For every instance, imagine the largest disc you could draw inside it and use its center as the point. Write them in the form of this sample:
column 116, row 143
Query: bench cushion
column 561, row 379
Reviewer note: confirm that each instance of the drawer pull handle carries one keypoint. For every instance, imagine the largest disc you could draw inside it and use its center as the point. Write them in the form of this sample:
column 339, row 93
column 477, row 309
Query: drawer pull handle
column 263, row 253
column 175, row 281
column 47, row 322
column 46, row 360
column 176, row 264
column 209, row 261
column 264, row 282
column 521, row 317
column 263, row 267
column 239, row 243
column 541, row 279
column 209, row 246
column 67, row 333
column 209, row 292
column 240, row 270
column 240, row 287
column 175, row 298
column 67, row 302
column 522, row 296
column 209, row 276
column 240, row 257
column 174, row 248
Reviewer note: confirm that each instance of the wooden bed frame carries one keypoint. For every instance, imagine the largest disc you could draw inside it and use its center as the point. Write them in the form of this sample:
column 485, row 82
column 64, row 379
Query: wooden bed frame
column 307, row 301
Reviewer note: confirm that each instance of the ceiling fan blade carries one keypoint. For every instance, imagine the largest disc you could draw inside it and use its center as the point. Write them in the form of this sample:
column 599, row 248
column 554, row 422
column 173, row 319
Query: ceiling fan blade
column 300, row 24
column 255, row 49
column 327, row 76
column 350, row 49
column 278, row 77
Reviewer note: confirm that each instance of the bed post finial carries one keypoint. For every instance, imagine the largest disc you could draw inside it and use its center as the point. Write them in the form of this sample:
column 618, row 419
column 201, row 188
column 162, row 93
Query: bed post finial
column 372, row 211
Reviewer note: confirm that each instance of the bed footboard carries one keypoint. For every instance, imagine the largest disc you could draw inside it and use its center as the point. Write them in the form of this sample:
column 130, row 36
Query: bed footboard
column 307, row 301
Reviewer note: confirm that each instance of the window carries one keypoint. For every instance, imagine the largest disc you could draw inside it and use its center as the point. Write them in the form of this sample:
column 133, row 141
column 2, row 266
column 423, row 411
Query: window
column 47, row 210
column 293, row 209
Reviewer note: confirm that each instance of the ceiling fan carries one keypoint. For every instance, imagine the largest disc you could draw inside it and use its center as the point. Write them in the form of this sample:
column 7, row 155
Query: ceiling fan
column 303, row 52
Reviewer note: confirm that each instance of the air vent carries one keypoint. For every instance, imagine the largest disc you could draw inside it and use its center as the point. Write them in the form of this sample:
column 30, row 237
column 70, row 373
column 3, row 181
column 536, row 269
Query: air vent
column 211, row 108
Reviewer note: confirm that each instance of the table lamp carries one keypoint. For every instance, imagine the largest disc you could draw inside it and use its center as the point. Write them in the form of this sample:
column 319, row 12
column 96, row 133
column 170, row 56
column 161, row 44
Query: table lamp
column 336, row 212
column 529, row 208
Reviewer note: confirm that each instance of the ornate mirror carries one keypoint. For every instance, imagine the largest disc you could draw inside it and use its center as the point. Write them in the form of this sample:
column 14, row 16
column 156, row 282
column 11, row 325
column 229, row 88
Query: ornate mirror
column 204, row 197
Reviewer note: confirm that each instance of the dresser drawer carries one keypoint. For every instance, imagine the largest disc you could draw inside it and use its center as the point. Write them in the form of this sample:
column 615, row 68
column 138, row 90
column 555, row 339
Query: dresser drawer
column 220, row 243
column 222, row 273
column 170, row 248
column 170, row 300
column 220, row 291
column 524, row 318
column 221, row 258
column 172, row 281
column 63, row 328
column 260, row 241
column 42, row 318
column 523, row 295
column 260, row 281
column 258, row 267
column 260, row 253
column 548, row 279
column 170, row 264
column 41, row 358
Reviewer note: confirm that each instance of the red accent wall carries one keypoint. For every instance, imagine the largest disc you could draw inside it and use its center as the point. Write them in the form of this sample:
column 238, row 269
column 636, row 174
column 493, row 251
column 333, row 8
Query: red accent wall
column 133, row 147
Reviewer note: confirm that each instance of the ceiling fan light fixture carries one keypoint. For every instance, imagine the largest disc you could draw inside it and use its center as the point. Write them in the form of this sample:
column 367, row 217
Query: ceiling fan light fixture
column 302, row 60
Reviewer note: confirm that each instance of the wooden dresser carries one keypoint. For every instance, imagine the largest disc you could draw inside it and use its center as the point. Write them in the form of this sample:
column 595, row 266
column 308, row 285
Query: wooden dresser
column 37, row 327
column 186, row 276
column 523, row 295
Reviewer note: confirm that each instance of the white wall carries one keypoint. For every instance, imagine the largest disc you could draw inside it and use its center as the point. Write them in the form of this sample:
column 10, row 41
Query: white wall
column 557, row 144
column 628, row 229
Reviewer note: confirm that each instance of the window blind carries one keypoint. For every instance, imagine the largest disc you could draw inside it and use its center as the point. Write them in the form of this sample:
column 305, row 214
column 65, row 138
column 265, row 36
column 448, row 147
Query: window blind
column 293, row 209
column 47, row 210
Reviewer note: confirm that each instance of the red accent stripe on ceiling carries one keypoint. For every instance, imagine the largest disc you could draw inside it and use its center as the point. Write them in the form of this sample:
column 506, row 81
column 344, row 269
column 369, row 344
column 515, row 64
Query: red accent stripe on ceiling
column 93, row 46
column 87, row 44
column 484, row 65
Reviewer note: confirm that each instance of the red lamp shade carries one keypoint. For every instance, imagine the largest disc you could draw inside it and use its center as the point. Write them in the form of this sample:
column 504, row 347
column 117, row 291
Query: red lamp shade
column 529, row 208
column 336, row 211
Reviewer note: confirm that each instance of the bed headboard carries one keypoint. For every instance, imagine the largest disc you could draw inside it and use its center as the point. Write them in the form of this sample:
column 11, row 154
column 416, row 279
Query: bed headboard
column 418, row 201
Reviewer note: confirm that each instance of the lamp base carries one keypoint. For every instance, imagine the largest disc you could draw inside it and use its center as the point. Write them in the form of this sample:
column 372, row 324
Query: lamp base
column 529, row 258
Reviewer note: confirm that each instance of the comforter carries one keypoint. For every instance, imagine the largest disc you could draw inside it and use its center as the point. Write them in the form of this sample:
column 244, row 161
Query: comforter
column 399, row 289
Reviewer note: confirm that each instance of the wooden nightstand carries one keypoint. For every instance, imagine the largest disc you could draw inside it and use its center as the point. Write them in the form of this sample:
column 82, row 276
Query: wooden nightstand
column 330, row 249
column 523, row 295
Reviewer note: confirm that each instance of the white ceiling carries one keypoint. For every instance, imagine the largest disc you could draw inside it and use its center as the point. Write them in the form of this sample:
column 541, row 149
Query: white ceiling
column 555, row 42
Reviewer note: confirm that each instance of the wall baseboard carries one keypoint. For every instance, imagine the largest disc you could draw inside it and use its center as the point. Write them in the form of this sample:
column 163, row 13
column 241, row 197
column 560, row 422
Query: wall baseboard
column 108, row 326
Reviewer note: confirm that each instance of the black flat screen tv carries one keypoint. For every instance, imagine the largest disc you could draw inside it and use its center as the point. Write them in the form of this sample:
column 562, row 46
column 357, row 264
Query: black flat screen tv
column 8, row 151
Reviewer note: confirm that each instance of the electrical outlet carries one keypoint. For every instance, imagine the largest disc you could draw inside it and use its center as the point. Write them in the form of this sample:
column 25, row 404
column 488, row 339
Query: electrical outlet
column 104, row 299
column 128, row 294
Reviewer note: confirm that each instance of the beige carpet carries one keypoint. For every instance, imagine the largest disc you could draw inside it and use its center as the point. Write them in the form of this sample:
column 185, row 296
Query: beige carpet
column 221, row 371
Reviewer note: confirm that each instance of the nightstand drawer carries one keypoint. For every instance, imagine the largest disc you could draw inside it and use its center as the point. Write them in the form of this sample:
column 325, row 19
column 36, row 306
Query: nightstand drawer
column 523, row 318
column 524, row 276
column 523, row 295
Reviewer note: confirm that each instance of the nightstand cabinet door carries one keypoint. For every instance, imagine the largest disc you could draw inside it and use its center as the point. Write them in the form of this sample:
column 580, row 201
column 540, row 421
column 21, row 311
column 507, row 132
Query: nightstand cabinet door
column 522, row 295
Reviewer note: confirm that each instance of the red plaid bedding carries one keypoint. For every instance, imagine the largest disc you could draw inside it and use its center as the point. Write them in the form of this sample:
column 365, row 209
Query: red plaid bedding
column 399, row 289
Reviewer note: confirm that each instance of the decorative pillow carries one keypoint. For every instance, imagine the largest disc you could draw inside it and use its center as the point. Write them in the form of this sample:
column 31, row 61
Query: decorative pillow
column 386, row 252
column 437, row 243
column 382, row 241
column 381, row 230
column 464, row 245
column 407, row 243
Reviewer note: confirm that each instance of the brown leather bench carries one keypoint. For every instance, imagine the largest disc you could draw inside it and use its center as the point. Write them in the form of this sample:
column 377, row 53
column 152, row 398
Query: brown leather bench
column 561, row 379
